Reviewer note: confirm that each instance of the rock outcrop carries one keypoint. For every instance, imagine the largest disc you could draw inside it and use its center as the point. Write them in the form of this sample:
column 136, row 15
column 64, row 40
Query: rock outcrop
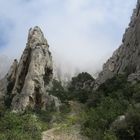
column 126, row 59
column 6, row 85
column 27, row 82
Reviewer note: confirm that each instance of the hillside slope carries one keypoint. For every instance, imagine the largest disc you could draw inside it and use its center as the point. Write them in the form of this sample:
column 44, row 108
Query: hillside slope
column 70, row 129
column 126, row 59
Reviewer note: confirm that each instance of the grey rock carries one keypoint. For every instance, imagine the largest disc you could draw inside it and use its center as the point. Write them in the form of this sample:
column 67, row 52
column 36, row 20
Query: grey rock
column 126, row 59
column 134, row 77
column 119, row 122
column 54, row 102
column 7, row 83
column 34, row 72
column 32, row 76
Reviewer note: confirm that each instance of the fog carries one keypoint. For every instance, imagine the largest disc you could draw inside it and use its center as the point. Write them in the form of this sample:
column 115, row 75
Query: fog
column 82, row 34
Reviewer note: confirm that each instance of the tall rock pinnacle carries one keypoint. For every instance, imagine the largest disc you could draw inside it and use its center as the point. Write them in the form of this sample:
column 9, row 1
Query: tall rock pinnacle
column 31, row 77
column 126, row 59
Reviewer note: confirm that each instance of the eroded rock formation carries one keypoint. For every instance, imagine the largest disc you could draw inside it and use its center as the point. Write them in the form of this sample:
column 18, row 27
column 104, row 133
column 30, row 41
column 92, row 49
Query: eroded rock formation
column 127, row 57
column 27, row 82
column 7, row 84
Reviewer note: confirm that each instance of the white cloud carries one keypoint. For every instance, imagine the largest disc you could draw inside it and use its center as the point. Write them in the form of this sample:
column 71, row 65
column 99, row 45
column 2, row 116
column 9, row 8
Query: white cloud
column 82, row 33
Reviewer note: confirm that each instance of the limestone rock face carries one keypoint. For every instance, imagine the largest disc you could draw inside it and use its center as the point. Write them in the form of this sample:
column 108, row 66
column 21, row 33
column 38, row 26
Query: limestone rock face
column 7, row 84
column 127, row 57
column 31, row 77
column 134, row 77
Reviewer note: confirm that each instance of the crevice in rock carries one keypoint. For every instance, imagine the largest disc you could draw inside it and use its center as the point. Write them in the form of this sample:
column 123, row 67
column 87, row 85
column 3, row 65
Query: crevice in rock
column 48, row 73
column 9, row 97
column 31, row 101
column 38, row 98
column 24, row 71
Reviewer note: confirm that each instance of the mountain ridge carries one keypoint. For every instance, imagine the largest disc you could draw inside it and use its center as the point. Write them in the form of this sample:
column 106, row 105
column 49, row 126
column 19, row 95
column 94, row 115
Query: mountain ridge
column 127, row 57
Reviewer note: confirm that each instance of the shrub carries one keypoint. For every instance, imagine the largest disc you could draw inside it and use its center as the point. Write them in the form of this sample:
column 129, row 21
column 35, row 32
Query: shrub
column 111, row 100
column 58, row 91
column 130, row 128
column 109, row 135
column 99, row 119
column 19, row 127
column 136, row 93
column 80, row 87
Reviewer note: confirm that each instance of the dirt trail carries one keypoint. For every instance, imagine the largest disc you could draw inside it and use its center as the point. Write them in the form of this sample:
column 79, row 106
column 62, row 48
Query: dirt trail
column 65, row 132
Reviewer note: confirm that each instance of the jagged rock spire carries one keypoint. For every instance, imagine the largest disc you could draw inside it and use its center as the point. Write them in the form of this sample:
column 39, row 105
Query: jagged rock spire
column 32, row 75
column 36, row 37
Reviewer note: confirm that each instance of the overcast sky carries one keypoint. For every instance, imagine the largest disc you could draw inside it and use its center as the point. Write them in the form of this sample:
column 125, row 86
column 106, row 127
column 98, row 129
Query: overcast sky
column 82, row 34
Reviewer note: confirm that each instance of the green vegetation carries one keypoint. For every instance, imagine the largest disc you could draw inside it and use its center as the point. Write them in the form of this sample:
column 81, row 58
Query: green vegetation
column 112, row 112
column 28, row 125
column 80, row 87
column 19, row 127
column 114, row 98
column 128, row 129
column 58, row 90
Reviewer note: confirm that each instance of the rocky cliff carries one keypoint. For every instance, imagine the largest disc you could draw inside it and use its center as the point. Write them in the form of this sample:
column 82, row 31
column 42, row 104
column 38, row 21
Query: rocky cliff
column 126, row 59
column 27, row 82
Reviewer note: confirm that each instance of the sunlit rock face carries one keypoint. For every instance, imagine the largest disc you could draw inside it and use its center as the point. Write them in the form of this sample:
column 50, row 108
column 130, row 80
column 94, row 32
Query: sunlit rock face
column 126, row 59
column 31, row 77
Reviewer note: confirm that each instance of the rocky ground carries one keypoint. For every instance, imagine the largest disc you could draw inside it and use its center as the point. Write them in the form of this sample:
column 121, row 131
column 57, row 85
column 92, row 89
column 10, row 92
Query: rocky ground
column 68, row 130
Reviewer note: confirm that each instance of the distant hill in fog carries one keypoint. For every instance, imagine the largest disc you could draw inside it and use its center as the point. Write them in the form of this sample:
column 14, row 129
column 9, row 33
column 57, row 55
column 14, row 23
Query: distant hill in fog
column 4, row 65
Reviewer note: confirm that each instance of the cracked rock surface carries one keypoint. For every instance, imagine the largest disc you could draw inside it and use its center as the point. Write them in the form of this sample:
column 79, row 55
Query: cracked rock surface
column 127, row 57
column 26, row 84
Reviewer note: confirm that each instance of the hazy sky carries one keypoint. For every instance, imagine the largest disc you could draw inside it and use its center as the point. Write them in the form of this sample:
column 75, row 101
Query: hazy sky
column 82, row 34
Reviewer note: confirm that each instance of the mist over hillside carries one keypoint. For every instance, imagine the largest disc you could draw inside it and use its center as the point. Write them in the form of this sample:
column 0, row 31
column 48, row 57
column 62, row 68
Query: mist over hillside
column 82, row 34
column 4, row 65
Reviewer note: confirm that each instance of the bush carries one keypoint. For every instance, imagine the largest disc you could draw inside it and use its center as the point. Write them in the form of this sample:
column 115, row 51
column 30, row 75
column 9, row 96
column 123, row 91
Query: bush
column 109, row 135
column 19, row 127
column 65, row 108
column 136, row 93
column 59, row 91
column 130, row 128
column 99, row 119
column 80, row 87
column 112, row 99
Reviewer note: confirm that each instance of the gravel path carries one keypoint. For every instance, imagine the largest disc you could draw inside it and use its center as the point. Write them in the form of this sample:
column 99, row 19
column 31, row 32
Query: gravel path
column 71, row 133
